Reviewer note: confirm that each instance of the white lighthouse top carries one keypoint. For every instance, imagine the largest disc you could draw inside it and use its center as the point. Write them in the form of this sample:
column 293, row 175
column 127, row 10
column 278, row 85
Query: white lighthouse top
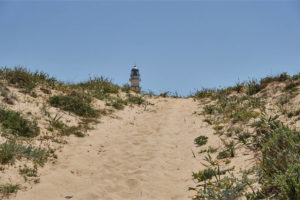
column 135, row 67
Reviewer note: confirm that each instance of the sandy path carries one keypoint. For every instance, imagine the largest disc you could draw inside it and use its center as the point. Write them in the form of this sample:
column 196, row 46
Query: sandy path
column 141, row 155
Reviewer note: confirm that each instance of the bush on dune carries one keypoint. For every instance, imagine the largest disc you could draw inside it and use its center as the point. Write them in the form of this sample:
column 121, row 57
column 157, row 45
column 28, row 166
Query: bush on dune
column 73, row 104
column 15, row 124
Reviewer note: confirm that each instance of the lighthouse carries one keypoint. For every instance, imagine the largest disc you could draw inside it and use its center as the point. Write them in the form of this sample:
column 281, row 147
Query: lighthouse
column 135, row 79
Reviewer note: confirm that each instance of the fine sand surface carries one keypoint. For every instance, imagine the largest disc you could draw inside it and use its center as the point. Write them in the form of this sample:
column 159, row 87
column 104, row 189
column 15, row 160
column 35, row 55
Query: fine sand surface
column 137, row 155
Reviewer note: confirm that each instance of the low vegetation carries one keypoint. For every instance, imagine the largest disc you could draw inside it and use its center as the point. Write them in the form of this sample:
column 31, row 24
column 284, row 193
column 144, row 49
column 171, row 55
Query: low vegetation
column 73, row 104
column 32, row 134
column 11, row 150
column 13, row 123
column 247, row 116
column 7, row 189
column 201, row 140
column 24, row 79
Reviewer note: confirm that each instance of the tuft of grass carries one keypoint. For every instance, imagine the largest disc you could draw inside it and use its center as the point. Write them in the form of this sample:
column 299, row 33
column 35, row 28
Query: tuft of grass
column 73, row 104
column 23, row 78
column 8, row 189
column 15, row 124
column 164, row 94
column 238, row 87
column 63, row 129
column 210, row 149
column 204, row 93
column 207, row 174
column 116, row 102
column 209, row 109
column 135, row 99
column 98, row 87
column 11, row 150
column 201, row 140
column 253, row 87
column 292, row 86
column 126, row 88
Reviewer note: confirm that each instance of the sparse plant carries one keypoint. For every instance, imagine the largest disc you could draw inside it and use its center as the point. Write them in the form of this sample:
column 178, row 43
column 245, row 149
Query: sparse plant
column 8, row 189
column 11, row 150
column 204, row 93
column 126, row 88
column 117, row 102
column 164, row 94
column 135, row 99
column 30, row 172
column 238, row 87
column 253, row 87
column 291, row 86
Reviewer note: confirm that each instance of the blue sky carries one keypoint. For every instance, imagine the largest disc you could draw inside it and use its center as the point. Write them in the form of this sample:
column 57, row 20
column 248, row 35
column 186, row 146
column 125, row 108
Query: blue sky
column 178, row 45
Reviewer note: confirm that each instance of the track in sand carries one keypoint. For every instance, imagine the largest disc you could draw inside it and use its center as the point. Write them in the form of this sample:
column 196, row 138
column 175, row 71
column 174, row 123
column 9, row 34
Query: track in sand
column 139, row 155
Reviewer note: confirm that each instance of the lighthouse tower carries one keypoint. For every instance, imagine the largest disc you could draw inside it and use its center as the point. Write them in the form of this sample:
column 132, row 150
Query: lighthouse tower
column 135, row 79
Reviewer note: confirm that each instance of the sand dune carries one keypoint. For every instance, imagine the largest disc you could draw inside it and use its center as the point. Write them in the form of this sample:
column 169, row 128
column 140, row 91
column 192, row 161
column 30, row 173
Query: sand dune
column 141, row 154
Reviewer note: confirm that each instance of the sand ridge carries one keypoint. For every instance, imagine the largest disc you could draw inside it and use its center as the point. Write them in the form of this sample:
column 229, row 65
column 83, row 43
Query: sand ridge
column 141, row 154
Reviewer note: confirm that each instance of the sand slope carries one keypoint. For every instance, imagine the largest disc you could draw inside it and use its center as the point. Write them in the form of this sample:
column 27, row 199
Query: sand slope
column 138, row 155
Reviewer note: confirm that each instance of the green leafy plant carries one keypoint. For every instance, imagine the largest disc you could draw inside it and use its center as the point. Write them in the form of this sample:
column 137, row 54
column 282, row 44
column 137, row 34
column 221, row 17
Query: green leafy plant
column 214, row 184
column 201, row 140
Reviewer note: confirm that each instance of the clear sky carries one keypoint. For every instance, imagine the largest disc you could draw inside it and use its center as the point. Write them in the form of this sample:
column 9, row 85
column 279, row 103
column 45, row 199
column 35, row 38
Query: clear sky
column 178, row 45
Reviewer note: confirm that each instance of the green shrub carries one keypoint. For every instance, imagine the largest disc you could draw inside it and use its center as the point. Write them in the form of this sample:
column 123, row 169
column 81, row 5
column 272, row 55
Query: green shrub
column 280, row 164
column 73, row 104
column 212, row 185
column 201, row 140
column 279, row 168
column 225, row 188
column 15, row 124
